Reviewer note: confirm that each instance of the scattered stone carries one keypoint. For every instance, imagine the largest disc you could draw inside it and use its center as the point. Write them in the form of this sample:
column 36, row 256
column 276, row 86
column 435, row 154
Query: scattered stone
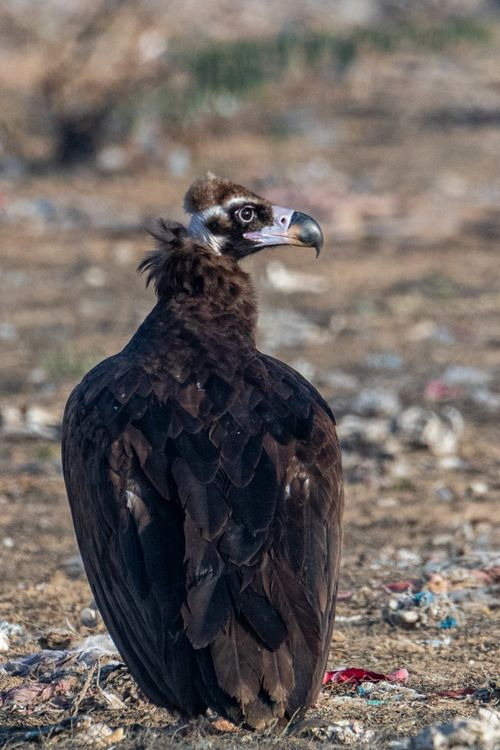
column 376, row 402
column 465, row 376
column 113, row 159
column 384, row 361
column 481, row 732
column 89, row 617
column 95, row 277
column 73, row 566
column 443, row 493
column 429, row 330
column 478, row 488
column 485, row 398
column 8, row 332
column 356, row 432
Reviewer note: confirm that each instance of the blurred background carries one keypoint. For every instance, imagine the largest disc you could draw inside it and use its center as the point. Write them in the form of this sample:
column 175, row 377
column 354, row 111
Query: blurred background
column 381, row 118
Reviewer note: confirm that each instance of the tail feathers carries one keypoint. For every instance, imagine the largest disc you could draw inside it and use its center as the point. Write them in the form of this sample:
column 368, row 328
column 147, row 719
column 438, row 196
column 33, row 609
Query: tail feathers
column 252, row 682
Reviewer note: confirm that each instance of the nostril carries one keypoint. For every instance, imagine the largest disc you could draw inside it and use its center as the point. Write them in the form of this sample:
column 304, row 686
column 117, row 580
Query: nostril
column 283, row 220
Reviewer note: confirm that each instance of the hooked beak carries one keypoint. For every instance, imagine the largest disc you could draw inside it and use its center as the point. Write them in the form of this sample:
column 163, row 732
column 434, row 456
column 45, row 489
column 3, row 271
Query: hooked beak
column 289, row 227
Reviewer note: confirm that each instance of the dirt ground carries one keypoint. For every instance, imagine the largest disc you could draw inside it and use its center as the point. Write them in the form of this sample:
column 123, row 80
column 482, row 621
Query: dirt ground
column 407, row 286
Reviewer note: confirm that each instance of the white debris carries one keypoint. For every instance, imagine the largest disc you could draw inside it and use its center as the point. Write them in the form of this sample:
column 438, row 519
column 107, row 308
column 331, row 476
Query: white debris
column 465, row 376
column 31, row 421
column 363, row 431
column 425, row 428
column 100, row 735
column 288, row 281
column 281, row 327
column 481, row 732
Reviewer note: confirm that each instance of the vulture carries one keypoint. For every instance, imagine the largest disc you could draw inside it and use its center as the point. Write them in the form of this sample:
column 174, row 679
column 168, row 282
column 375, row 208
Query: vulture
column 205, row 480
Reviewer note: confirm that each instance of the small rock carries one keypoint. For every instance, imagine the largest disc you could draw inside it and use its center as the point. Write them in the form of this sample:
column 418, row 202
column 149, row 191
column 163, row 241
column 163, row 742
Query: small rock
column 443, row 493
column 8, row 332
column 374, row 402
column 384, row 361
column 465, row 376
column 485, row 398
column 479, row 489
column 429, row 330
column 482, row 732
column 89, row 617
column 179, row 161
column 113, row 159
column 73, row 566
column 95, row 277
column 452, row 463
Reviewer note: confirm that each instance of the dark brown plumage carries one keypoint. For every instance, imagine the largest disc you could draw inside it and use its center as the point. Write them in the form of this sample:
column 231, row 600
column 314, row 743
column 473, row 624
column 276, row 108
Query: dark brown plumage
column 204, row 479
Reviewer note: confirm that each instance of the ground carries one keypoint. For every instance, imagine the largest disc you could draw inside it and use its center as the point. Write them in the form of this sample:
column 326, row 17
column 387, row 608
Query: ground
column 407, row 287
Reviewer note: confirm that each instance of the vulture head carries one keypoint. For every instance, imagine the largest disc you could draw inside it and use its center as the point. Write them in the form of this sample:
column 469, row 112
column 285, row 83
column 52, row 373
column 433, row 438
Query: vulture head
column 234, row 221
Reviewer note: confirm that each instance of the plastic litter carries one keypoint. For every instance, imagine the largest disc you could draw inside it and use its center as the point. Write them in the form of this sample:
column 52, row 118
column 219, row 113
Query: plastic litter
column 357, row 675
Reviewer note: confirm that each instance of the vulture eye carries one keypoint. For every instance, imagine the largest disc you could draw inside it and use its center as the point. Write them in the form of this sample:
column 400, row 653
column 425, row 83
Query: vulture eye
column 245, row 214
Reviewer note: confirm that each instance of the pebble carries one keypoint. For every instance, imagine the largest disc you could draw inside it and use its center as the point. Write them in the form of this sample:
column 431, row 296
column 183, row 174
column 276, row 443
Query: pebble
column 73, row 566
column 95, row 277
column 89, row 617
column 384, row 361
column 429, row 330
column 465, row 376
column 376, row 402
column 479, row 488
column 443, row 493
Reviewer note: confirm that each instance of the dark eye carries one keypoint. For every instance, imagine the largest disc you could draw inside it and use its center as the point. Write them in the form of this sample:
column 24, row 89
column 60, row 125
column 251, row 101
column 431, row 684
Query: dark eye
column 245, row 214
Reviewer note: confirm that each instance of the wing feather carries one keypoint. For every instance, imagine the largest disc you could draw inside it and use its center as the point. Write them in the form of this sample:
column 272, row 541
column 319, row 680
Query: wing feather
column 208, row 515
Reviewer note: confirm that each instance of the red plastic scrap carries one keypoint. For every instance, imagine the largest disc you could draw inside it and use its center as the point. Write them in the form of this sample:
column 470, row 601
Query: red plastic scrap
column 28, row 695
column 343, row 596
column 459, row 693
column 356, row 675
column 401, row 586
column 436, row 390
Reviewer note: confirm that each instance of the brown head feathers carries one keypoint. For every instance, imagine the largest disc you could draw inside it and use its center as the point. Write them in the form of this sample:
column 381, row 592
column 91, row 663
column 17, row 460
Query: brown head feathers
column 211, row 190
